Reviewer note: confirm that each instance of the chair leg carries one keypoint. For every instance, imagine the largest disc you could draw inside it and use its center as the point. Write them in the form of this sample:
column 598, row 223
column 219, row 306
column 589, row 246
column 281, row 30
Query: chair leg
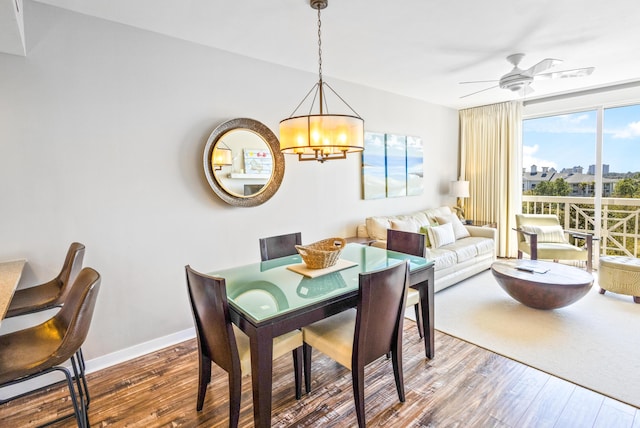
column 398, row 375
column 519, row 254
column 82, row 365
column 306, row 352
column 297, row 370
column 416, row 307
column 204, row 377
column 357, row 378
column 80, row 411
column 81, row 393
column 235, row 393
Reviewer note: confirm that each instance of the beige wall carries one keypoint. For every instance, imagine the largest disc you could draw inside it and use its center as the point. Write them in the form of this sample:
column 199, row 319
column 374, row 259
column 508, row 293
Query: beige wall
column 102, row 127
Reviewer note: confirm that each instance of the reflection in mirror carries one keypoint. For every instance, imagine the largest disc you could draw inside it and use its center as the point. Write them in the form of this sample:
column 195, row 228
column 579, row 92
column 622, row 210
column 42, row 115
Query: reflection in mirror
column 242, row 162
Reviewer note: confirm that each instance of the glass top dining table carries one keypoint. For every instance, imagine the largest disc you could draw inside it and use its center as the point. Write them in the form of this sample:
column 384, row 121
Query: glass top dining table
column 267, row 299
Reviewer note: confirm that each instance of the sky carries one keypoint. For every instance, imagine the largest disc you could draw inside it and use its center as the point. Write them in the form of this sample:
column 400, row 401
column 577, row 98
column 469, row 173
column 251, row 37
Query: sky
column 569, row 140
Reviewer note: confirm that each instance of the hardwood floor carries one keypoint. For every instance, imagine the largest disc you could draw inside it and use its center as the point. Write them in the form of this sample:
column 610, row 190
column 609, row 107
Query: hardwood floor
column 463, row 386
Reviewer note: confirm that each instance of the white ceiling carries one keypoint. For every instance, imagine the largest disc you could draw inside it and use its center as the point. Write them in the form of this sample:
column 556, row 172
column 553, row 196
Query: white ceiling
column 418, row 48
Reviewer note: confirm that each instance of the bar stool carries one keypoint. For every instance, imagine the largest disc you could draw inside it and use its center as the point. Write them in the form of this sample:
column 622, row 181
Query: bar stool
column 51, row 294
column 41, row 349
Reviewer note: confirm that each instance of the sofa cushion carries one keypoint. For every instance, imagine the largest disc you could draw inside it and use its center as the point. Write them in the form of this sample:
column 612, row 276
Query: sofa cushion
column 441, row 257
column 431, row 213
column 459, row 230
column 463, row 249
column 377, row 227
column 441, row 235
column 405, row 225
column 420, row 218
column 483, row 245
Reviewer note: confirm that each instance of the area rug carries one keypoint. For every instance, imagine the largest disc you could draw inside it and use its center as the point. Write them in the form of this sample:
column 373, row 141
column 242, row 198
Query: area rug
column 594, row 343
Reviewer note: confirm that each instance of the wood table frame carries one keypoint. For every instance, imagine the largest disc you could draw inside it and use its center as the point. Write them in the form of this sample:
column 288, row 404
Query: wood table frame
column 261, row 334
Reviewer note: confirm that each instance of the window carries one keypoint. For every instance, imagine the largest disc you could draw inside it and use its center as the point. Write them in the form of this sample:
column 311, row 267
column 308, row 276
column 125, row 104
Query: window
column 559, row 154
column 584, row 167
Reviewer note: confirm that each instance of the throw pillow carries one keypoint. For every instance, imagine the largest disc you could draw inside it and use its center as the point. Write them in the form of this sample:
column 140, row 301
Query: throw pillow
column 408, row 225
column 441, row 235
column 459, row 230
column 425, row 231
column 546, row 233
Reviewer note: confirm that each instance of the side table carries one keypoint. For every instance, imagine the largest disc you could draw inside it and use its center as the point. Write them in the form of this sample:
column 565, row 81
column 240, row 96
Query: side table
column 359, row 240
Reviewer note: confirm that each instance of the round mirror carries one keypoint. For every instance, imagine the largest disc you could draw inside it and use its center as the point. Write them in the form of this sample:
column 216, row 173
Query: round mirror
column 243, row 163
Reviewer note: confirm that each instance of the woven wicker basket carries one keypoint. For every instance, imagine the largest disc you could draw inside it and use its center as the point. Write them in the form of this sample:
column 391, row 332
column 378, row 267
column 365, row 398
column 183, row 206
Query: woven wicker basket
column 321, row 254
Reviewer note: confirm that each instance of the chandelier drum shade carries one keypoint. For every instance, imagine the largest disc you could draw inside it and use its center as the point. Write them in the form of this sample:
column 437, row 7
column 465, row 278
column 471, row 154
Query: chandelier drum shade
column 321, row 136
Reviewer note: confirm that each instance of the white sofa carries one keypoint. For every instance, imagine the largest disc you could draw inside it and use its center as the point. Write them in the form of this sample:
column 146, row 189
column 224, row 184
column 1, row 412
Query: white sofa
column 455, row 261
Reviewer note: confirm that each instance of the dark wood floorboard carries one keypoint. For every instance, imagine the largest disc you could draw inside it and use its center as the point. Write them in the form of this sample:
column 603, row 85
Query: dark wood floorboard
column 464, row 386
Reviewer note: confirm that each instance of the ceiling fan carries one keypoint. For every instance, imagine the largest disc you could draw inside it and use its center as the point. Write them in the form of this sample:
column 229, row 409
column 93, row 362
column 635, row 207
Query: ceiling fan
column 518, row 80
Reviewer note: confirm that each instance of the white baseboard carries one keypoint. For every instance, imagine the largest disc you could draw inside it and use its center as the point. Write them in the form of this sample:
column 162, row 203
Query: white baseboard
column 100, row 363
column 138, row 350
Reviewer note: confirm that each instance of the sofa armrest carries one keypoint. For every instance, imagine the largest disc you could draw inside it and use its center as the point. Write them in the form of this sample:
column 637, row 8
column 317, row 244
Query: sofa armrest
column 361, row 231
column 483, row 232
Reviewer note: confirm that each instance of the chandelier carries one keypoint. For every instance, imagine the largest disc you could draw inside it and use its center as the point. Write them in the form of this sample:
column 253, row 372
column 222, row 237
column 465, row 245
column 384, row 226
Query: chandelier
column 321, row 136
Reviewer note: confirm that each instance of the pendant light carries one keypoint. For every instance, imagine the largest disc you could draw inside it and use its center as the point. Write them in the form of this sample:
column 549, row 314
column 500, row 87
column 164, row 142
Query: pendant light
column 321, row 136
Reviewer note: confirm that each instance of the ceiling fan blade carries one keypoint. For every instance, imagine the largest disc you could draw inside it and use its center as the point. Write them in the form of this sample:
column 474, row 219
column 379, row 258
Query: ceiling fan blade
column 577, row 72
column 478, row 81
column 543, row 65
column 526, row 91
column 477, row 92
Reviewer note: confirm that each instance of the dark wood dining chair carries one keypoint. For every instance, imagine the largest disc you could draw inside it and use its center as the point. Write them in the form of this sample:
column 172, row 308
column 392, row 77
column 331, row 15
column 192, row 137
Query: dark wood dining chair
column 221, row 342
column 414, row 244
column 355, row 338
column 279, row 246
column 41, row 349
column 52, row 293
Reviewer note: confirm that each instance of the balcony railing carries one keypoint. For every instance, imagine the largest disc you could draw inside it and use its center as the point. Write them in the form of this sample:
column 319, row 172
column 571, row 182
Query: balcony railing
column 618, row 229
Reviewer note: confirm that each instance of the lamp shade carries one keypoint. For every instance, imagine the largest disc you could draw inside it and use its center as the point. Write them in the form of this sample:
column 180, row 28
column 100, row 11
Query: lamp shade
column 459, row 189
column 221, row 157
column 323, row 134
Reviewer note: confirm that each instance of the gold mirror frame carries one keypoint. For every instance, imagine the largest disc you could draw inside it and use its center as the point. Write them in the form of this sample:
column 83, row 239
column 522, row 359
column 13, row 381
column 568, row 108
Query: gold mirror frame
column 277, row 173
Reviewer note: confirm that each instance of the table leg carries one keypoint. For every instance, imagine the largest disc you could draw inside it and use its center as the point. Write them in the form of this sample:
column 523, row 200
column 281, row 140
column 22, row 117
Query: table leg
column 426, row 290
column 261, row 343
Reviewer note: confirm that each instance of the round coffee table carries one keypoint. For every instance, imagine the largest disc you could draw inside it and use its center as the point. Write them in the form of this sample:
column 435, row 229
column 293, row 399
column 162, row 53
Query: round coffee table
column 547, row 286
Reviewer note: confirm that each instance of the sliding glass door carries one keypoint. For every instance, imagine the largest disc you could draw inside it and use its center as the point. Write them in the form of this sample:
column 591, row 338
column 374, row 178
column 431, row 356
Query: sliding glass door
column 584, row 166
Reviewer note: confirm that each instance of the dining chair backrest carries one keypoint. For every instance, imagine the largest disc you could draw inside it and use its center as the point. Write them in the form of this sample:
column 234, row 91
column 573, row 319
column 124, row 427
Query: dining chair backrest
column 406, row 242
column 279, row 246
column 216, row 339
column 380, row 310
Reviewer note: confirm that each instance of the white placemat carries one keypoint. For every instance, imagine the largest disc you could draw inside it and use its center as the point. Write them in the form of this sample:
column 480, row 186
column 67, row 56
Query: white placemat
column 302, row 268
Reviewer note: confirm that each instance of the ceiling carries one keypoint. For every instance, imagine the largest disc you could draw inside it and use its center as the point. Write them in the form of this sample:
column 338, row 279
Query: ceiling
column 418, row 48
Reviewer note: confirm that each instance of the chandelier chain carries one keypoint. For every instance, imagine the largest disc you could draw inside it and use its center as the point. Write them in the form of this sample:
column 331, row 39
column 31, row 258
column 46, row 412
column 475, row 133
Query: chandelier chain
column 319, row 46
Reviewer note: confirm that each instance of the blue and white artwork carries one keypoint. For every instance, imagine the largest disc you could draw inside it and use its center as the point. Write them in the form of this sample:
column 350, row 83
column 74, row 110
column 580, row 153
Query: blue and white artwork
column 374, row 183
column 396, row 146
column 392, row 166
column 415, row 166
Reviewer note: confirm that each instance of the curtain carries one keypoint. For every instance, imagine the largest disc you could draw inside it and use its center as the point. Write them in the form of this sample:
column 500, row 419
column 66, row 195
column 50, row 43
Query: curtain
column 491, row 160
